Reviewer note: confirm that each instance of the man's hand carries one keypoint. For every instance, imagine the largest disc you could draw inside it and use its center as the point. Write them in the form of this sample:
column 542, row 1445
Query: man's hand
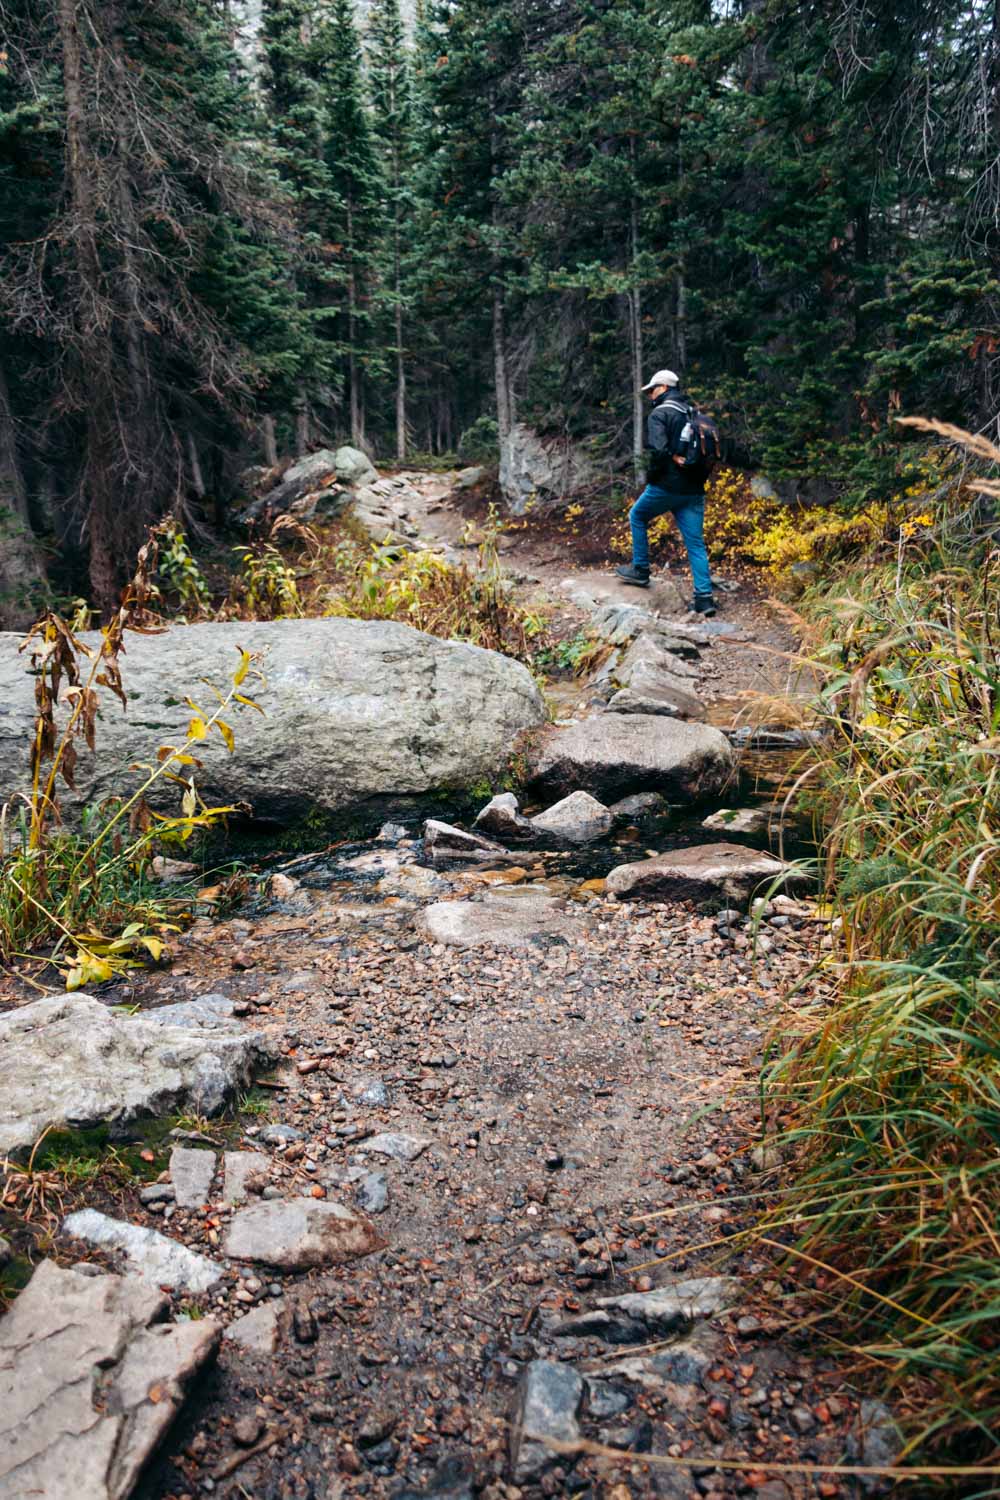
column 678, row 460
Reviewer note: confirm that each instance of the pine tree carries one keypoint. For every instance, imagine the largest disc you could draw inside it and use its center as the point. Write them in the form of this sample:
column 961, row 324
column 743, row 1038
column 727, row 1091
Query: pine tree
column 356, row 227
column 112, row 290
column 390, row 87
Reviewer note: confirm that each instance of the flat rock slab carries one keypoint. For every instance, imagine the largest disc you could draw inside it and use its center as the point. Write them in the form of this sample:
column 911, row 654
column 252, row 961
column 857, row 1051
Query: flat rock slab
column 68, row 1062
column 612, row 755
column 503, row 919
column 243, row 1170
column 90, row 1381
column 549, row 1402
column 704, row 874
column 678, row 1305
column 397, row 1145
column 192, row 1173
column 153, row 1256
column 577, row 819
column 299, row 1234
column 354, row 711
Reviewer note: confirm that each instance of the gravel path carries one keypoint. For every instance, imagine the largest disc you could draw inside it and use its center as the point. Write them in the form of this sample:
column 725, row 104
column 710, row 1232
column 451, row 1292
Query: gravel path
column 532, row 1131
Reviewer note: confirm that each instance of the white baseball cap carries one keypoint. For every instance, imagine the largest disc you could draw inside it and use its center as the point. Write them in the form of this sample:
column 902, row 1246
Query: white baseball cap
column 662, row 377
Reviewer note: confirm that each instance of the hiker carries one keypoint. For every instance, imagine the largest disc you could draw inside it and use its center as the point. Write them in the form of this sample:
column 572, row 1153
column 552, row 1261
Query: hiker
column 673, row 483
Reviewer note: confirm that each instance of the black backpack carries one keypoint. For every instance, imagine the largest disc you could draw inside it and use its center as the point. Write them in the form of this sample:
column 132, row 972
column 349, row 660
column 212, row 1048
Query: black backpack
column 699, row 445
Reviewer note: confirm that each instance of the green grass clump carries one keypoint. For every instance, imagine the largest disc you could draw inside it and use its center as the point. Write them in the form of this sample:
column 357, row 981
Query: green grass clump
column 891, row 1093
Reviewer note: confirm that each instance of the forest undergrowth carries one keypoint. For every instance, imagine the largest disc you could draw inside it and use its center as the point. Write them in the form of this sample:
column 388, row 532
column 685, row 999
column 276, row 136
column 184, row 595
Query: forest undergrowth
column 888, row 1099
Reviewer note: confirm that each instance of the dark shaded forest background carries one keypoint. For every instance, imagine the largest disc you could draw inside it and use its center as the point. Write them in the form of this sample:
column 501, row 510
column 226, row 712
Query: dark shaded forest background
column 415, row 233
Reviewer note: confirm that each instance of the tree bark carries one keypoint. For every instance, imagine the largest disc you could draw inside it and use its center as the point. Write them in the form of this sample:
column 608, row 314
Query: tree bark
column 22, row 570
column 352, row 357
column 635, row 331
column 270, row 441
column 94, row 354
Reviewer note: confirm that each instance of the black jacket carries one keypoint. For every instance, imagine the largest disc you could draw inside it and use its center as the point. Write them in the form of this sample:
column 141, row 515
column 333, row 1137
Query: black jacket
column 663, row 430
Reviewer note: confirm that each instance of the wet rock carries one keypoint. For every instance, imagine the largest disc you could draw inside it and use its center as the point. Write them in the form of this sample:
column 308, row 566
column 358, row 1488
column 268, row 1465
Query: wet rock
column 160, row 1260
column 392, row 833
column 397, row 1145
column 705, row 874
column 257, row 1331
column 445, row 840
column 192, row 1172
column 748, row 820
column 548, row 1405
column 614, row 754
column 68, row 1062
column 413, row 883
column 502, row 816
column 678, row 1304
column 354, row 711
column 503, row 919
column 639, row 805
column 301, row 1233
column 577, row 819
column 244, row 1172
column 279, row 1135
column 372, row 1193
column 91, row 1379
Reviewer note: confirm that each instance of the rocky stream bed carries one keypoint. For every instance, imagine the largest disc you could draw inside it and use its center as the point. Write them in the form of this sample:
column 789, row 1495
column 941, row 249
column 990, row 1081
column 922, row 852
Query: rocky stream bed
column 441, row 1144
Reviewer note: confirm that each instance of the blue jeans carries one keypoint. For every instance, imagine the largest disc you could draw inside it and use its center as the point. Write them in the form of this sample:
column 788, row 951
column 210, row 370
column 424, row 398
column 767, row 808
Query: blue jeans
column 689, row 513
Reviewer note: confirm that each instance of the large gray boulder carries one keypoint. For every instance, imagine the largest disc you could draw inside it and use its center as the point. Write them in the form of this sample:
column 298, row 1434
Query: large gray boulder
column 612, row 755
column 91, row 1379
column 320, row 482
column 705, row 874
column 355, row 711
column 546, row 469
column 68, row 1061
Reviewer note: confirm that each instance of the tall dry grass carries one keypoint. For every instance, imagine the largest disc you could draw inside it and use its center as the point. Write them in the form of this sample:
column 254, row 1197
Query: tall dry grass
column 890, row 1096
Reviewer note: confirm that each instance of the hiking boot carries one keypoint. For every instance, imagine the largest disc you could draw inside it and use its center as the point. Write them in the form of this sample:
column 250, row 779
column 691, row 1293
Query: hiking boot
column 704, row 604
column 629, row 573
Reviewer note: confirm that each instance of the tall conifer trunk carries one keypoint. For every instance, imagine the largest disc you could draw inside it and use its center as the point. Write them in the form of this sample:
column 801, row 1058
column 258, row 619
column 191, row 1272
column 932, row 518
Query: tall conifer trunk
column 93, row 353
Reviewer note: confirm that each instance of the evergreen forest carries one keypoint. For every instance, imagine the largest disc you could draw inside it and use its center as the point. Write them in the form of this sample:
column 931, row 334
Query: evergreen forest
column 411, row 230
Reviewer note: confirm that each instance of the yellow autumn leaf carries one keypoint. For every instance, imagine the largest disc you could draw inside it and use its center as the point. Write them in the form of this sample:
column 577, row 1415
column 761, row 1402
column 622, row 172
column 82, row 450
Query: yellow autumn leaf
column 242, row 670
column 197, row 729
column 227, row 734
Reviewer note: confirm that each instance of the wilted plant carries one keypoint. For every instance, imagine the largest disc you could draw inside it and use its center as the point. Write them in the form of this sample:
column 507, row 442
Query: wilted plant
column 445, row 599
column 81, row 893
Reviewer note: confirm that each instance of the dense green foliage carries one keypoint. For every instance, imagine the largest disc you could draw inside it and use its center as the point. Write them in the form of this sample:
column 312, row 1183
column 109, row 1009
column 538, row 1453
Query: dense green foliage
column 504, row 211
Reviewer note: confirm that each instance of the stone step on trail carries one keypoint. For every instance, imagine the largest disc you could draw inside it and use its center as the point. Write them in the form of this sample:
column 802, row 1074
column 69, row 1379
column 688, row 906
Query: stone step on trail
column 613, row 755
